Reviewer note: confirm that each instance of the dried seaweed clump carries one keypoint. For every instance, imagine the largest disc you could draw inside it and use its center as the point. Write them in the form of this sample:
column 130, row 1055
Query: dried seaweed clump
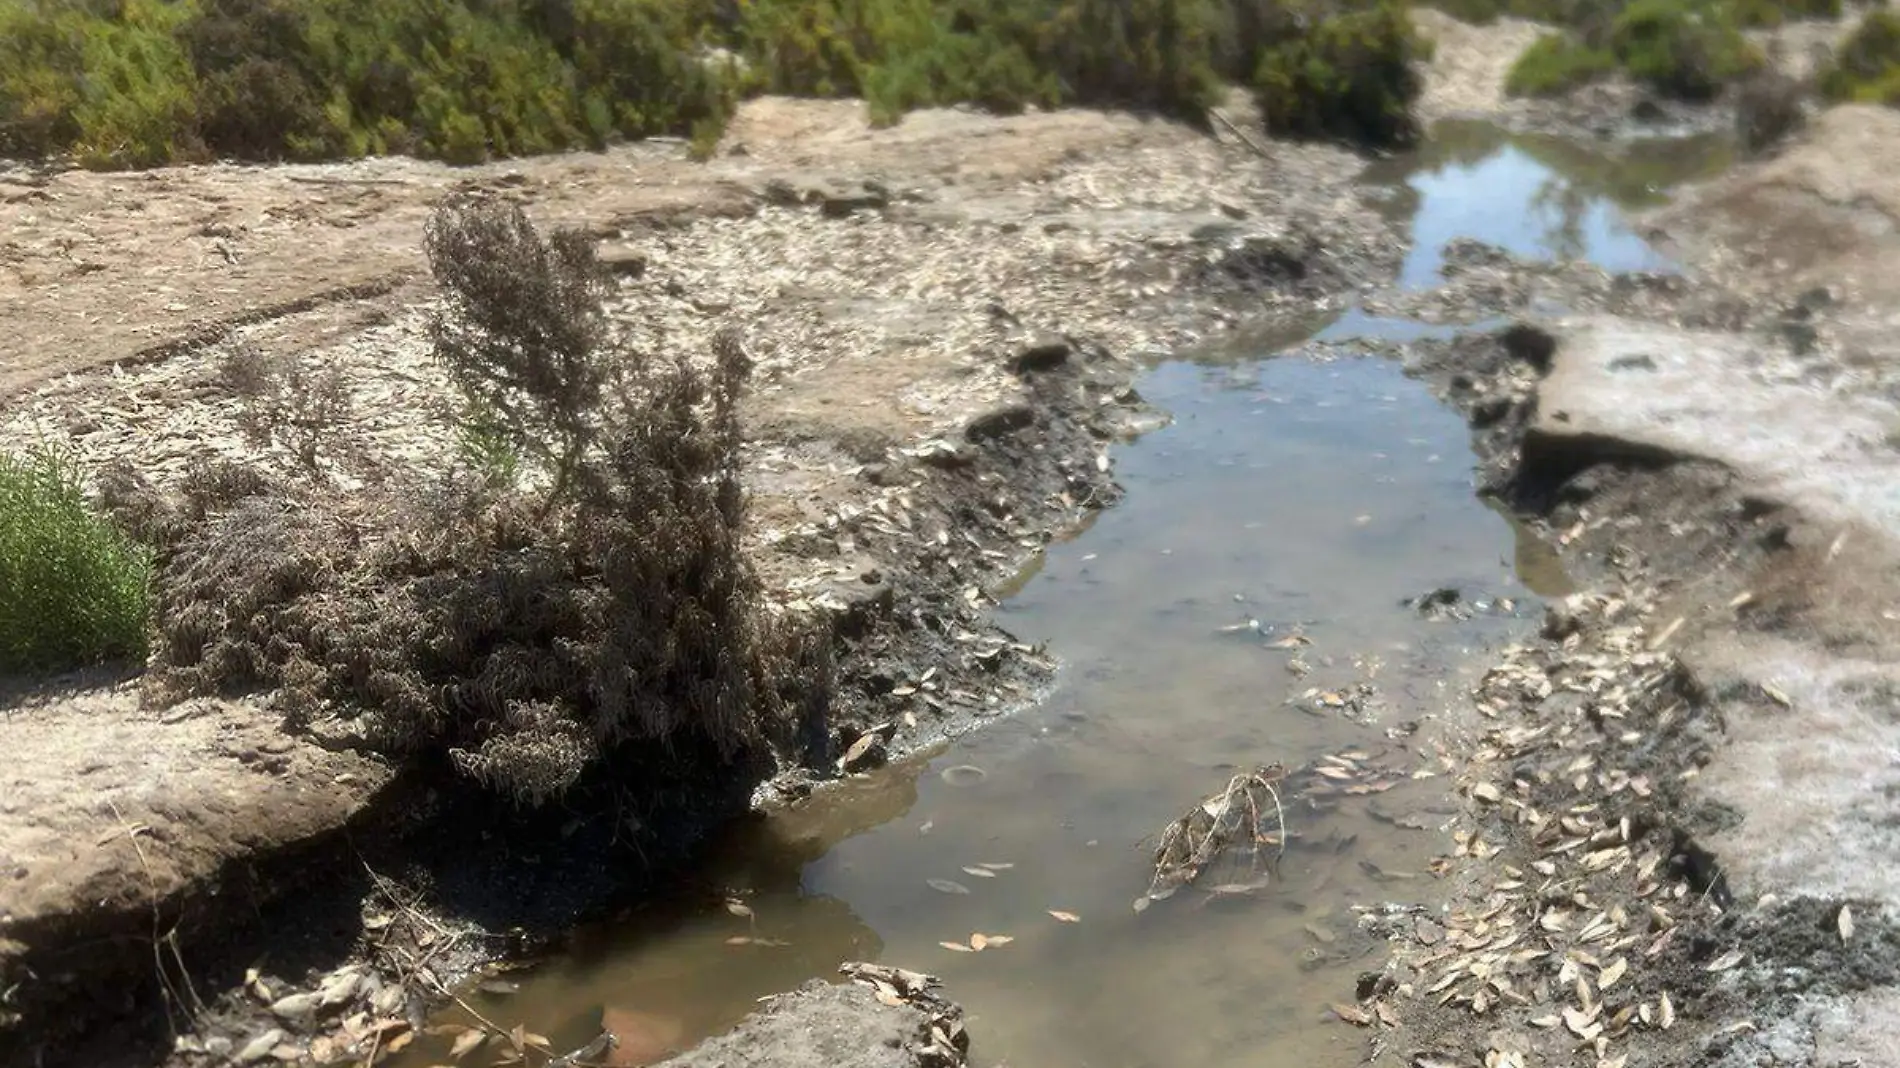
column 525, row 632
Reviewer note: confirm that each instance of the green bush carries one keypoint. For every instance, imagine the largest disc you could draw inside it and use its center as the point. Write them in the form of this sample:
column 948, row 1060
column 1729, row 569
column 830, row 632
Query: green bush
column 1557, row 63
column 136, row 82
column 635, row 77
column 1150, row 55
column 1681, row 49
column 1753, row 14
column 257, row 96
column 1866, row 68
column 74, row 590
column 118, row 90
column 1349, row 76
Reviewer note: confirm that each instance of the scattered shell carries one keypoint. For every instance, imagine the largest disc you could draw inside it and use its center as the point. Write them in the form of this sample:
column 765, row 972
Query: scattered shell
column 964, row 775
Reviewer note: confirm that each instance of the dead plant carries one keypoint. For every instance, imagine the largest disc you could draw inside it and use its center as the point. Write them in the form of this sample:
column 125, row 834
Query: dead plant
column 1243, row 825
column 286, row 402
column 524, row 636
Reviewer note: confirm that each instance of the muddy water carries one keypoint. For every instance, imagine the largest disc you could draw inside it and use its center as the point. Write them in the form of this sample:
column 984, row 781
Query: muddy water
column 1288, row 498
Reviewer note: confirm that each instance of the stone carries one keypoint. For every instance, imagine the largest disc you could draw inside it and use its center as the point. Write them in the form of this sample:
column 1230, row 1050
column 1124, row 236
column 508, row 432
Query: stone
column 840, row 204
column 1527, row 343
column 623, row 262
column 260, row 1048
column 1043, row 354
column 1000, row 422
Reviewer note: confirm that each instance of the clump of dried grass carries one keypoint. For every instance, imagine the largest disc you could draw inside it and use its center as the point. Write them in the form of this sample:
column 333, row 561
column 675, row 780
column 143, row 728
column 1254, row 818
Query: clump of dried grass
column 286, row 402
column 525, row 634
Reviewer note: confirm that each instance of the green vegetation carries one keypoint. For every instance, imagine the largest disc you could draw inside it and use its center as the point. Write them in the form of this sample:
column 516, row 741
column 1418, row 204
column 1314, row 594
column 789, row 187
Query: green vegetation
column 1681, row 49
column 1748, row 14
column 1350, row 77
column 1867, row 66
column 1689, row 49
column 74, row 590
column 1557, row 63
column 141, row 82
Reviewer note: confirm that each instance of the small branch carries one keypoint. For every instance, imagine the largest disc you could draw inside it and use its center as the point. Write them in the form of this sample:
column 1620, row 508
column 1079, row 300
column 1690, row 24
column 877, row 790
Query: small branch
column 1245, row 139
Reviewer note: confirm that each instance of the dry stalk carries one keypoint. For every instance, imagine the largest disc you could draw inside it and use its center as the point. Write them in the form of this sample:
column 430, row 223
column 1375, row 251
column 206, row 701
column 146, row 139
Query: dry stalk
column 1223, row 823
column 166, row 938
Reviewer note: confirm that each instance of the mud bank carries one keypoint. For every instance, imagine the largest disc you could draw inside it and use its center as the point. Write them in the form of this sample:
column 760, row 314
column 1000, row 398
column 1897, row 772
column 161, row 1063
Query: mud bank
column 945, row 318
column 1680, row 794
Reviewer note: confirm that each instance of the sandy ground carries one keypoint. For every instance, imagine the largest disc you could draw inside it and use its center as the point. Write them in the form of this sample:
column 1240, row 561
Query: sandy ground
column 1469, row 64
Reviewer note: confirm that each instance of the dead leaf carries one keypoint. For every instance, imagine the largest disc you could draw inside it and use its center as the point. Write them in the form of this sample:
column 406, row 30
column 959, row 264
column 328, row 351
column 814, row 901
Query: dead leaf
column 466, row 1043
column 1611, row 973
column 979, row 941
column 498, row 987
column 1846, row 923
column 1000, row 940
column 1665, row 1013
column 1352, row 1014
column 1065, row 917
column 399, row 1043
column 1726, row 961
column 1386, row 1014
column 947, row 886
column 739, row 909
column 981, row 873
column 957, row 946
column 1582, row 1024
column 1485, row 791
column 995, row 865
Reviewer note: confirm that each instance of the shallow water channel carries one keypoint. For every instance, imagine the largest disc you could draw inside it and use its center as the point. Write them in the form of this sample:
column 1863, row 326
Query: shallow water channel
column 1308, row 497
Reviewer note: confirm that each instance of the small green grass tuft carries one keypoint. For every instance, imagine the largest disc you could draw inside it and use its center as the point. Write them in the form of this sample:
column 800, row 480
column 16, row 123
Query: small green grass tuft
column 1867, row 66
column 74, row 590
column 1557, row 63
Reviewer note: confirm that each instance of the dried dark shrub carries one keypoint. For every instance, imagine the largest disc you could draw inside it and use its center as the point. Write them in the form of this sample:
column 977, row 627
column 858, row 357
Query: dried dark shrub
column 288, row 403
column 1768, row 110
column 523, row 335
column 524, row 635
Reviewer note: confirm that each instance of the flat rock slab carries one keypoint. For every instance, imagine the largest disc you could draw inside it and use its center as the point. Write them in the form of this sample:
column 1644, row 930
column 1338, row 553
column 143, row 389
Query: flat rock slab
column 108, row 808
column 1625, row 390
column 1814, row 771
column 819, row 1025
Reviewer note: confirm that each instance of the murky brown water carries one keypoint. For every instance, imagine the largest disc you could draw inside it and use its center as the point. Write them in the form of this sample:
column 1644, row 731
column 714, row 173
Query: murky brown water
column 1310, row 497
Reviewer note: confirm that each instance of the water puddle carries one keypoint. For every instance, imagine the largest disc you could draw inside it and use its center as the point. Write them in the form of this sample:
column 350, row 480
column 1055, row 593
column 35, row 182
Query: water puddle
column 1289, row 498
